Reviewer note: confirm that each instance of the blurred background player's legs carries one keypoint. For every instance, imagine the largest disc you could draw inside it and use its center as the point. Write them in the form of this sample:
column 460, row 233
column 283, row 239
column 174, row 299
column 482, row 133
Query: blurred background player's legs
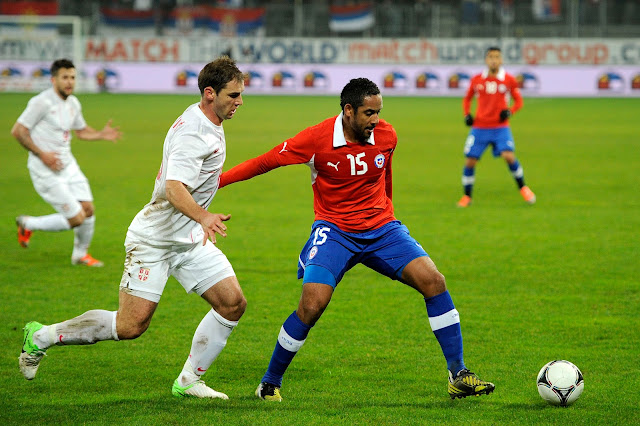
column 83, row 235
column 64, row 196
column 518, row 175
column 468, row 179
column 475, row 144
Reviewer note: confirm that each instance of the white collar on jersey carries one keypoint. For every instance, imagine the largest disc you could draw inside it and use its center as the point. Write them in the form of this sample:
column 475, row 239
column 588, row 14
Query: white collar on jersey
column 338, row 134
column 499, row 76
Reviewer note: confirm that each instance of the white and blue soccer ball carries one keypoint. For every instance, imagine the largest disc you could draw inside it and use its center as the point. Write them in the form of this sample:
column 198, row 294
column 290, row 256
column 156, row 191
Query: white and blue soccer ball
column 560, row 383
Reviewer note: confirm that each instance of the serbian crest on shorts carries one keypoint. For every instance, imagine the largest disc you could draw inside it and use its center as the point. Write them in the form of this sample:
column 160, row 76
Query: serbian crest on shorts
column 143, row 274
column 379, row 161
column 313, row 252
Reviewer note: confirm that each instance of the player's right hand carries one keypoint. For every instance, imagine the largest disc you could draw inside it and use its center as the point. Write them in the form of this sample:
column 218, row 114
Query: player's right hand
column 468, row 120
column 212, row 225
column 51, row 160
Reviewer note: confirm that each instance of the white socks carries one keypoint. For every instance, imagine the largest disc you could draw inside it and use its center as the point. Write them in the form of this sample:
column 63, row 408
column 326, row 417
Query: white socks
column 52, row 223
column 208, row 341
column 86, row 329
column 83, row 237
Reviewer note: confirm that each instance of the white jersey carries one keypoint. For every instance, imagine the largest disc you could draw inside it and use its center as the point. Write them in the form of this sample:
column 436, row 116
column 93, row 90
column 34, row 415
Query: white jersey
column 194, row 152
column 50, row 120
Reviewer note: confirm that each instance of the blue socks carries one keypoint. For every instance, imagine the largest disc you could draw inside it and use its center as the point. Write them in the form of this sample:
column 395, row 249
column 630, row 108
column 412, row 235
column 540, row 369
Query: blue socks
column 517, row 173
column 468, row 179
column 291, row 338
column 445, row 323
column 443, row 318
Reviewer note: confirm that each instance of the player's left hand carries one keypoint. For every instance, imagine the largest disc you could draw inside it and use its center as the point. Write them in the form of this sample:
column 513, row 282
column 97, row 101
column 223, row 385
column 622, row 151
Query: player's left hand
column 468, row 120
column 504, row 114
column 110, row 133
column 212, row 225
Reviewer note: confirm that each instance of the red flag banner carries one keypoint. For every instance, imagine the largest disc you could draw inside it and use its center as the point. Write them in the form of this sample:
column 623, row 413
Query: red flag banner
column 29, row 8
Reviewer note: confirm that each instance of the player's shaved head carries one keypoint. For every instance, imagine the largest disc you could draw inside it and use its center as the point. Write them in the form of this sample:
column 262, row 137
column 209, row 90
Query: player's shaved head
column 356, row 90
column 60, row 63
column 218, row 73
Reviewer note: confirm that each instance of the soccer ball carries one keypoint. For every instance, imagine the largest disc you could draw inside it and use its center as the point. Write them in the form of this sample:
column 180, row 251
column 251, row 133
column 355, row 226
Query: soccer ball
column 560, row 383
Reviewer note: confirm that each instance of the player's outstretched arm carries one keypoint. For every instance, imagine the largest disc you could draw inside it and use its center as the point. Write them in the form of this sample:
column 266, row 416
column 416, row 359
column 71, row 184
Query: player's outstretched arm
column 181, row 199
column 23, row 135
column 108, row 133
column 253, row 167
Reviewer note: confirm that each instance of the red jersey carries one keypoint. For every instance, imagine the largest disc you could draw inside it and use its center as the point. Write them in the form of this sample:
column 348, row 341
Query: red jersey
column 351, row 181
column 493, row 97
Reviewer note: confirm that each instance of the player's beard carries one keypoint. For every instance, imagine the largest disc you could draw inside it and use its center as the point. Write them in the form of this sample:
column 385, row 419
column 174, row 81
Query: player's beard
column 63, row 93
column 361, row 134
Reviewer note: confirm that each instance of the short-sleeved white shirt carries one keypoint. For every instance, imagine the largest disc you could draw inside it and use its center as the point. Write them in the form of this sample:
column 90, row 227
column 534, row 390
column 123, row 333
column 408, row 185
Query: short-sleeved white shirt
column 50, row 120
column 194, row 152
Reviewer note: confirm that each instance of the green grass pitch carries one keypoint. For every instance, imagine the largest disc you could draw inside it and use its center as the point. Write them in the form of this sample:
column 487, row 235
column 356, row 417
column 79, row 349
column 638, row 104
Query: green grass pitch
column 558, row 280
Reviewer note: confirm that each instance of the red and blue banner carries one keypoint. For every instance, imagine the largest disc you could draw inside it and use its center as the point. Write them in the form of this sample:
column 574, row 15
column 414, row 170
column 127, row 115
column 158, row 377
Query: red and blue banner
column 218, row 20
column 29, row 7
column 236, row 21
column 547, row 10
column 352, row 18
column 127, row 17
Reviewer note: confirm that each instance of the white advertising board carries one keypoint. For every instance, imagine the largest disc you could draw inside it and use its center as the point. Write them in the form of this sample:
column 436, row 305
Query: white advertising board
column 328, row 79
column 550, row 51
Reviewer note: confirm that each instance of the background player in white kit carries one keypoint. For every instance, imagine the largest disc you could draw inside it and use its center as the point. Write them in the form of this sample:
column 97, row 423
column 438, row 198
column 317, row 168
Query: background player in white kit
column 44, row 128
column 170, row 236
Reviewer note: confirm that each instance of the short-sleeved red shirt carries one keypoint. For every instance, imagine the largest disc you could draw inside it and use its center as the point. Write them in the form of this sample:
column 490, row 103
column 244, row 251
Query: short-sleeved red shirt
column 351, row 181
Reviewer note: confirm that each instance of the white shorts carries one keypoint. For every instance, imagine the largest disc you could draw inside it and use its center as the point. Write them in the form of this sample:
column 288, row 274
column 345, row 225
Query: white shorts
column 63, row 190
column 147, row 268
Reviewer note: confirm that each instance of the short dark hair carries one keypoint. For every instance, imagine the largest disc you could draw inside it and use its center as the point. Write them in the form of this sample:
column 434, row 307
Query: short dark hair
column 492, row 49
column 216, row 74
column 60, row 63
column 356, row 90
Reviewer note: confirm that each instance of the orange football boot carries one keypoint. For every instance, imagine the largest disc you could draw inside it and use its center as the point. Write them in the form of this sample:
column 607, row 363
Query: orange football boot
column 528, row 195
column 465, row 201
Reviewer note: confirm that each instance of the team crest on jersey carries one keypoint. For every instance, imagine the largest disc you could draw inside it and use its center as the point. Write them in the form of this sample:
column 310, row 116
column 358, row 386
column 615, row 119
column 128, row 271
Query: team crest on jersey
column 143, row 274
column 313, row 252
column 379, row 161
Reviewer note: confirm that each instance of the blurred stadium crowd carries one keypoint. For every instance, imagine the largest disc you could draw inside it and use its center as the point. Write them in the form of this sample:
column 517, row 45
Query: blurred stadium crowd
column 372, row 18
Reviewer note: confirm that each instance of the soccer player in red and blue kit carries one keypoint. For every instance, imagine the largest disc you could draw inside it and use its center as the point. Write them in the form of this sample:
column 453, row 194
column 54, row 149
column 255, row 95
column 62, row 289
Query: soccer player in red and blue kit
column 491, row 123
column 350, row 160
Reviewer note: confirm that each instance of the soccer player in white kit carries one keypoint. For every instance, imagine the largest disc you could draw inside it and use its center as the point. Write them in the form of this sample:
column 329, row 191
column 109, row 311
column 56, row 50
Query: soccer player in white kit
column 173, row 234
column 44, row 128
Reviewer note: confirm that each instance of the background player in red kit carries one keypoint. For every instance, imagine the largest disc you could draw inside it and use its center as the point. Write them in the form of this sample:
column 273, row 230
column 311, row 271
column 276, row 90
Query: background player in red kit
column 491, row 123
column 350, row 160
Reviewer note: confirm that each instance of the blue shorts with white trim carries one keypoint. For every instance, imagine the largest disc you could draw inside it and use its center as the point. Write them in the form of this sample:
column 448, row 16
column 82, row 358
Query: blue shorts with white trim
column 499, row 138
column 386, row 250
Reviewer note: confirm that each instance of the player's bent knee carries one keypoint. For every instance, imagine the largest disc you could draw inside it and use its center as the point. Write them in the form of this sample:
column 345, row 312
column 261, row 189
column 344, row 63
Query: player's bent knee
column 131, row 331
column 231, row 306
column 433, row 282
column 422, row 274
column 438, row 282
column 89, row 211
column 77, row 219
column 311, row 311
column 236, row 308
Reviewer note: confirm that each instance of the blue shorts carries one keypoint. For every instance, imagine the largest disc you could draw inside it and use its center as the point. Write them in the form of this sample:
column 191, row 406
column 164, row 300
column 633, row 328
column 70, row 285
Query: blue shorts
column 386, row 250
column 479, row 139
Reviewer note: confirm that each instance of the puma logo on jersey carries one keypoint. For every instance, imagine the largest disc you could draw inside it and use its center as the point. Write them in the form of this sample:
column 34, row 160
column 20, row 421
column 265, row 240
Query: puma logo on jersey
column 335, row 166
column 284, row 148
